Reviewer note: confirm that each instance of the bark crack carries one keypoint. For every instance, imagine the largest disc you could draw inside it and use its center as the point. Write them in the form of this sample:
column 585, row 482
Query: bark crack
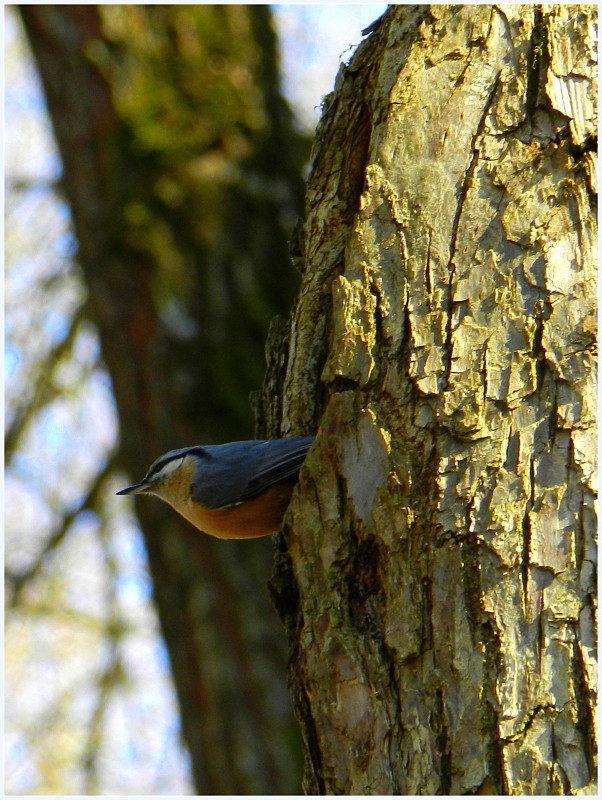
column 586, row 721
column 443, row 747
column 528, row 722
column 312, row 750
column 451, row 266
column 538, row 47
column 526, row 545
column 429, row 271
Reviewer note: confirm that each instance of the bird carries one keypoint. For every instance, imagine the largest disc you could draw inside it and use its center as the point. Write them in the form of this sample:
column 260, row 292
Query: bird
column 238, row 490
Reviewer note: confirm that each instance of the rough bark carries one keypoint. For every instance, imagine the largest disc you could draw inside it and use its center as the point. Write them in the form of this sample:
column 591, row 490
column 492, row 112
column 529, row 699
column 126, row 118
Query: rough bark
column 437, row 572
column 181, row 167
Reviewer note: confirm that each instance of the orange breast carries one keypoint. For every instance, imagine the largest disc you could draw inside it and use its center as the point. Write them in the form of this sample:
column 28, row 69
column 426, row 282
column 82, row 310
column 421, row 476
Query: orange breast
column 259, row 516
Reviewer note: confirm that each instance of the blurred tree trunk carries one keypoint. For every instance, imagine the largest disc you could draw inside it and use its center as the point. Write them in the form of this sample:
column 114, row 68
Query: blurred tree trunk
column 437, row 569
column 182, row 170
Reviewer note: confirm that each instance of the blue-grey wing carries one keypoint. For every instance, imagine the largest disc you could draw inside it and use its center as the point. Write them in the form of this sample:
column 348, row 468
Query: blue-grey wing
column 238, row 471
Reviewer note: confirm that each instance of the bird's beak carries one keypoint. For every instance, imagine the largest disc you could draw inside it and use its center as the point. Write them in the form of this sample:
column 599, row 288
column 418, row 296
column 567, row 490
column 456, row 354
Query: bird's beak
column 139, row 488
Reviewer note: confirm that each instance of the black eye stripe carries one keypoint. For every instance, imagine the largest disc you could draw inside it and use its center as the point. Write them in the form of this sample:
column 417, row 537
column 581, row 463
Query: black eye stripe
column 158, row 466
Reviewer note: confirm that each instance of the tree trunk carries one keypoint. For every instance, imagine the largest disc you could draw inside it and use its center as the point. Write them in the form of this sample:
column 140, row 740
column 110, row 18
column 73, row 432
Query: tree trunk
column 182, row 170
column 437, row 569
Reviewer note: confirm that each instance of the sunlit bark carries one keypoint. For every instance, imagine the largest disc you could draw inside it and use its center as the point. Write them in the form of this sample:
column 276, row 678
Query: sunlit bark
column 437, row 574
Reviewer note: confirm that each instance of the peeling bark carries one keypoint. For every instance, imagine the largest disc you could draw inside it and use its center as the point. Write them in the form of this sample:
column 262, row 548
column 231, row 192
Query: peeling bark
column 437, row 572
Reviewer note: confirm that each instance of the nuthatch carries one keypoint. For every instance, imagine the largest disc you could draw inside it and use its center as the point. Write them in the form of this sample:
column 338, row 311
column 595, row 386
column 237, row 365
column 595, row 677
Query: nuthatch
column 232, row 491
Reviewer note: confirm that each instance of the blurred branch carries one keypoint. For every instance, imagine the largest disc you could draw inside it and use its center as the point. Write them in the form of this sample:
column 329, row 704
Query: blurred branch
column 111, row 676
column 28, row 184
column 44, row 391
column 89, row 502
